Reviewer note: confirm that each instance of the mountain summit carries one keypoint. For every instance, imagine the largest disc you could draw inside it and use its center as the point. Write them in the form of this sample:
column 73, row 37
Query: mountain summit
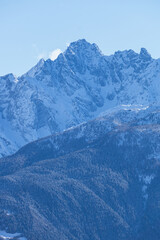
column 76, row 87
column 144, row 54
column 93, row 172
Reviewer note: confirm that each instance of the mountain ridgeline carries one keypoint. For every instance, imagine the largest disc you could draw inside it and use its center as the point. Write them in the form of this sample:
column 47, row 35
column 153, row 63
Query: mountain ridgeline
column 84, row 134
column 79, row 85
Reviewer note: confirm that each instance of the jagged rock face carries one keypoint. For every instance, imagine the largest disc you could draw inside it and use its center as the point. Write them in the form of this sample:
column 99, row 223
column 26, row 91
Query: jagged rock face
column 76, row 87
column 99, row 180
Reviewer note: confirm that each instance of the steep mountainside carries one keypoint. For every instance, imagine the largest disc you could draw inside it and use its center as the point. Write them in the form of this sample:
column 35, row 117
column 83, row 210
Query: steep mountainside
column 99, row 180
column 79, row 85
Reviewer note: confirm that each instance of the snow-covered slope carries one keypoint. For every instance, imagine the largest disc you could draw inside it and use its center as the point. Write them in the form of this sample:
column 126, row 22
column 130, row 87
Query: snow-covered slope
column 78, row 86
column 98, row 180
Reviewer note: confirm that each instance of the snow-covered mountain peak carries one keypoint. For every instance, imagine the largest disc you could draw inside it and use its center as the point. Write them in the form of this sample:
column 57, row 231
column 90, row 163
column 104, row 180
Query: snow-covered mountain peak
column 7, row 84
column 145, row 55
column 81, row 45
column 126, row 57
column 76, row 87
column 83, row 49
column 9, row 77
column 133, row 57
column 35, row 70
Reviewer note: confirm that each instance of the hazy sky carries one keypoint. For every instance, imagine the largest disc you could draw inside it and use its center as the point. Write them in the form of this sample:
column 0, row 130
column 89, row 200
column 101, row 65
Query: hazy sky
column 31, row 29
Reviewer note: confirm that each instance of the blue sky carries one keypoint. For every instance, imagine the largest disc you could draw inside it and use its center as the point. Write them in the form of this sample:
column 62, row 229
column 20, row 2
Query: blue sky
column 31, row 29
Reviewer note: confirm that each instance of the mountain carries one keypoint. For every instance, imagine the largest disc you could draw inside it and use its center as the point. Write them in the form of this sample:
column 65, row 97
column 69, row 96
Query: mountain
column 87, row 130
column 79, row 85
column 98, row 180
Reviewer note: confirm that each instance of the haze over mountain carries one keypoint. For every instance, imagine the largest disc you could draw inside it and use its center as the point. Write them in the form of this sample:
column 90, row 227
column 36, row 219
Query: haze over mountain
column 78, row 86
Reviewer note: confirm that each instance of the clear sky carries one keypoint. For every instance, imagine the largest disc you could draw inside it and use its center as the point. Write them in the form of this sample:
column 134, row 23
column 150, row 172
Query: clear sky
column 31, row 29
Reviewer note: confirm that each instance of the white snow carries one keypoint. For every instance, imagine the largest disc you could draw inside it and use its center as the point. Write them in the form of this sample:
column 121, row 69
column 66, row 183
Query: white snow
column 69, row 93
column 146, row 179
column 6, row 236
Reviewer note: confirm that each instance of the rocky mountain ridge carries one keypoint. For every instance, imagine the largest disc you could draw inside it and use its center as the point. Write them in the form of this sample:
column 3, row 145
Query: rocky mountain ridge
column 78, row 86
